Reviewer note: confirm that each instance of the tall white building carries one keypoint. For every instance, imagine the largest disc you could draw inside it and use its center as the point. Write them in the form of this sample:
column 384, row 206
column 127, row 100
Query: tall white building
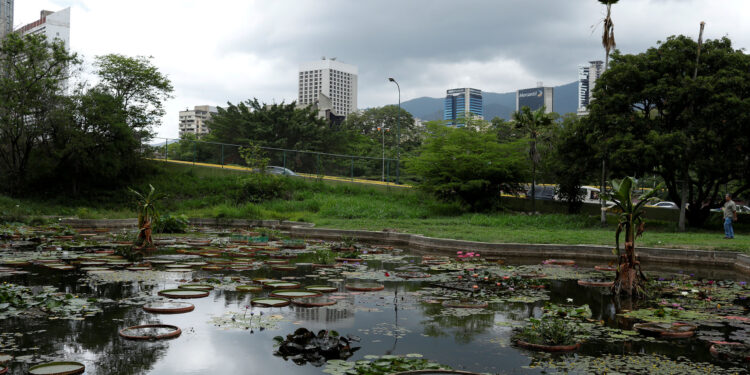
column 194, row 121
column 55, row 25
column 336, row 80
column 587, row 76
column 6, row 17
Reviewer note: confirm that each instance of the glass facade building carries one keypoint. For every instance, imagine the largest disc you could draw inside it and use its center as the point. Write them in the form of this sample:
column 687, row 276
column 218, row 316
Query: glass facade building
column 459, row 103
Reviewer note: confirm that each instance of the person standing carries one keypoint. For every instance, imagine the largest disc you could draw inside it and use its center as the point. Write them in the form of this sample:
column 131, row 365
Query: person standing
column 730, row 214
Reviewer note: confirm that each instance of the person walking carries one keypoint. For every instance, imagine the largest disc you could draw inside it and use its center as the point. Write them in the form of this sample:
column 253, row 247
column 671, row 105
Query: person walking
column 730, row 214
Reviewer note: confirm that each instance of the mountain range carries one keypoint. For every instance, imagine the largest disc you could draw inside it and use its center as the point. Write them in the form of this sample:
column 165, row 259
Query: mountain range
column 565, row 100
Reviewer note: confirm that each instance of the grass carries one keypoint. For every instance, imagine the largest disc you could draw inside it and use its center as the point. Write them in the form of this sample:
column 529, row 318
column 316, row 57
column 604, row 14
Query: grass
column 212, row 193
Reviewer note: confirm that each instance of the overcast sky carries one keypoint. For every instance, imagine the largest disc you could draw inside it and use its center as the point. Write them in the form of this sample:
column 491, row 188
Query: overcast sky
column 232, row 50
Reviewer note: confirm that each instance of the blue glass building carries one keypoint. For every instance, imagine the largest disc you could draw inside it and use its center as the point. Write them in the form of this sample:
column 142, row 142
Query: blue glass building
column 459, row 103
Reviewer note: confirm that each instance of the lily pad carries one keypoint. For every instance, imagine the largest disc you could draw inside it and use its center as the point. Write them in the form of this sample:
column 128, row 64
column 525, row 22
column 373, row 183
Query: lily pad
column 183, row 293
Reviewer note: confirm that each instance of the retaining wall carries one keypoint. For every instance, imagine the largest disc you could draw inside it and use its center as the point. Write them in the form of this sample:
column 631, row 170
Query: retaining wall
column 591, row 253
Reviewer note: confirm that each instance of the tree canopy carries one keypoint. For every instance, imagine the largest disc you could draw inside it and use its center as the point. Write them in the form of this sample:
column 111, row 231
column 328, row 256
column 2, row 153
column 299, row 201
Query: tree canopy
column 649, row 114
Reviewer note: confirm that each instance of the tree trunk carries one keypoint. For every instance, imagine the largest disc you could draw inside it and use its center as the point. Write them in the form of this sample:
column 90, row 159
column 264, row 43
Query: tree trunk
column 601, row 194
column 533, row 188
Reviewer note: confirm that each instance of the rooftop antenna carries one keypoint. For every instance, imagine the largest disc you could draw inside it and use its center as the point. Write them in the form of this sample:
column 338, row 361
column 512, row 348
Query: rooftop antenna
column 323, row 58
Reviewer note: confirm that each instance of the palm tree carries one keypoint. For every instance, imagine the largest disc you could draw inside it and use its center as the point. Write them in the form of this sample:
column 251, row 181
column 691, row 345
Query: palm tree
column 533, row 124
column 629, row 279
column 608, row 35
column 608, row 42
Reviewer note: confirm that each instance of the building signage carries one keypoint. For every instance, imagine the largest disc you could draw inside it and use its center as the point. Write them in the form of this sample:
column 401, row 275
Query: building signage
column 532, row 98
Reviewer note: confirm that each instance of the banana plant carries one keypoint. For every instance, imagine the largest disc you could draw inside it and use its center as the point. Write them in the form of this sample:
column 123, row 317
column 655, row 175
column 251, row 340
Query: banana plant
column 148, row 215
column 629, row 279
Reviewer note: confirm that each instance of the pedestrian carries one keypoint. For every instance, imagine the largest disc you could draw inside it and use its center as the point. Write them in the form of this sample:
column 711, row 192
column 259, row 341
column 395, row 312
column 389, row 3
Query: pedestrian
column 730, row 214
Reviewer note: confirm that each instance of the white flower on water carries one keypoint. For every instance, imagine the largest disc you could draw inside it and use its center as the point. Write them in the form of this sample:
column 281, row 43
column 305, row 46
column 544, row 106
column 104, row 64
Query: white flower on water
column 693, row 290
column 684, row 293
column 570, row 300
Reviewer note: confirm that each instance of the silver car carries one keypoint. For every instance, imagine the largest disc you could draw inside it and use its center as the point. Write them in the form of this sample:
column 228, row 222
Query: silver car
column 272, row 169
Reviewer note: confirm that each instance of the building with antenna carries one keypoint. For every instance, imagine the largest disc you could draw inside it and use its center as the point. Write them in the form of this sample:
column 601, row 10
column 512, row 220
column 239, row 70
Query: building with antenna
column 334, row 79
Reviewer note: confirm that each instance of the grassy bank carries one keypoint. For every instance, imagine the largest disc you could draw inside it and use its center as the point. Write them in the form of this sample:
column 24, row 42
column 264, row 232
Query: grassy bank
column 215, row 193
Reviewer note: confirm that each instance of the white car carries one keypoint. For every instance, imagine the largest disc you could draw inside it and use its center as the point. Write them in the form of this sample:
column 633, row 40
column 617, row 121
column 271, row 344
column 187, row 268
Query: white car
column 272, row 169
column 670, row 205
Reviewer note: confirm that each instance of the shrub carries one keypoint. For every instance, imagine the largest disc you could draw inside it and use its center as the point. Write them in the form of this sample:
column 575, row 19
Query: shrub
column 260, row 187
column 171, row 224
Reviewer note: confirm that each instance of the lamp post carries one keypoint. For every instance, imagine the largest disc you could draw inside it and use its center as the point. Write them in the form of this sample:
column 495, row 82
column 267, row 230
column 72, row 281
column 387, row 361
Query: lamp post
column 398, row 130
column 383, row 130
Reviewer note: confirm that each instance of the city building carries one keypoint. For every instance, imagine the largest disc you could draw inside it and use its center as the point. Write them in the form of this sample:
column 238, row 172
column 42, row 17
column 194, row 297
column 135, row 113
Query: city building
column 587, row 76
column 55, row 25
column 334, row 79
column 459, row 103
column 536, row 98
column 194, row 121
column 6, row 17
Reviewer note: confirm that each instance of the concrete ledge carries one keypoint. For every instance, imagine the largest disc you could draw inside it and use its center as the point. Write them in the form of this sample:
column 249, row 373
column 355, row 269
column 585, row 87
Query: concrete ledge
column 591, row 253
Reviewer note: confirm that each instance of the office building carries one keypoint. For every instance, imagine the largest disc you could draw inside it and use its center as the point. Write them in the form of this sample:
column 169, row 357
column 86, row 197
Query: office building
column 334, row 79
column 536, row 98
column 194, row 121
column 459, row 103
column 587, row 76
column 6, row 17
column 55, row 25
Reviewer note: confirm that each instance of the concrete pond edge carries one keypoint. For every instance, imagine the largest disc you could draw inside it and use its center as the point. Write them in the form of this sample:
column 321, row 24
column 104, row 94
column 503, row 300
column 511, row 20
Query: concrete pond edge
column 729, row 260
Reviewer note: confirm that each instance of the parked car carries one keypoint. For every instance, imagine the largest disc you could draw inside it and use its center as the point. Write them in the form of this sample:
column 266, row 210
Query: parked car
column 741, row 209
column 665, row 204
column 541, row 192
column 272, row 169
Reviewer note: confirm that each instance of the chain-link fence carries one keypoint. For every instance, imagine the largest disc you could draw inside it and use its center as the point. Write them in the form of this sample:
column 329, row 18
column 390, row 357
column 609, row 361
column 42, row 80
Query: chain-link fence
column 305, row 163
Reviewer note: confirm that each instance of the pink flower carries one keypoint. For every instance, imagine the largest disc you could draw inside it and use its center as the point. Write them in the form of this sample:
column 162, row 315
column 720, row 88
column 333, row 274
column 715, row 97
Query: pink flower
column 459, row 252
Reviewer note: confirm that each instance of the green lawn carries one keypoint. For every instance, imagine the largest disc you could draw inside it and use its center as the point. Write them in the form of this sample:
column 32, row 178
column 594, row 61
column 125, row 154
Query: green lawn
column 213, row 193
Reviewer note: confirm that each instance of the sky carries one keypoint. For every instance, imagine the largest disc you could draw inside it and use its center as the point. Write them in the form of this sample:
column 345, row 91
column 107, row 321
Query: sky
column 223, row 51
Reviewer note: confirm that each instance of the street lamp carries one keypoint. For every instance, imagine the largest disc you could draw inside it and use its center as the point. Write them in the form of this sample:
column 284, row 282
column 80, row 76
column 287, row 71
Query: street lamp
column 383, row 130
column 398, row 130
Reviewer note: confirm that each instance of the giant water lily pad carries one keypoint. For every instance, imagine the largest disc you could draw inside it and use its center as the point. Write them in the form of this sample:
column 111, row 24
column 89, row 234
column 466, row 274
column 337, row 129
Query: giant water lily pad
column 282, row 285
column 57, row 368
column 322, row 288
column 183, row 293
column 364, row 287
column 294, row 293
column 203, row 287
column 168, row 307
column 248, row 288
column 151, row 332
column 270, row 302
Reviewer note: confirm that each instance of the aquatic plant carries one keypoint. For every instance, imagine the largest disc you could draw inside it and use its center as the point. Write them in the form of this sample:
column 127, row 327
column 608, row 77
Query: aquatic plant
column 304, row 346
column 383, row 365
column 147, row 216
column 549, row 330
column 629, row 279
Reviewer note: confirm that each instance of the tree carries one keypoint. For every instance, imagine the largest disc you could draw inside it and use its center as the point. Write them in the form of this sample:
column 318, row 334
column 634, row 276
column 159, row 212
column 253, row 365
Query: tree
column 467, row 165
column 534, row 125
column 569, row 162
column 33, row 74
column 275, row 125
column 368, row 121
column 148, row 215
column 653, row 116
column 139, row 85
column 609, row 44
column 629, row 279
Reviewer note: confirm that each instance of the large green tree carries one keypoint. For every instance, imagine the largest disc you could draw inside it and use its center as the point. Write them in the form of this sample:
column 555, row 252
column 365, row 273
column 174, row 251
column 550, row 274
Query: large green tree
column 139, row 85
column 370, row 120
column 274, row 125
column 652, row 115
column 33, row 76
column 468, row 165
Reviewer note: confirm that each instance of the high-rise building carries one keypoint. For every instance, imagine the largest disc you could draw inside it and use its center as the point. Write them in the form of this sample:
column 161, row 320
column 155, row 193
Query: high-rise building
column 336, row 80
column 587, row 76
column 55, row 25
column 536, row 98
column 6, row 17
column 459, row 103
column 194, row 121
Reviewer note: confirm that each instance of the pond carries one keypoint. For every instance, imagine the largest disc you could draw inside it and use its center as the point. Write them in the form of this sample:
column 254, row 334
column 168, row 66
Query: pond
column 68, row 297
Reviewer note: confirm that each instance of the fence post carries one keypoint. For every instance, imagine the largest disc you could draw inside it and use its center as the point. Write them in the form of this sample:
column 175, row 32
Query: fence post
column 166, row 150
column 388, row 171
column 317, row 165
column 284, row 157
column 352, row 168
column 222, row 155
column 195, row 151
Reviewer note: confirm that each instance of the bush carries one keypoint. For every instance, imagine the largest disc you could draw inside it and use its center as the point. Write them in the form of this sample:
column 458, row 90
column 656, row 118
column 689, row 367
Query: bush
column 260, row 187
column 468, row 166
column 171, row 224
